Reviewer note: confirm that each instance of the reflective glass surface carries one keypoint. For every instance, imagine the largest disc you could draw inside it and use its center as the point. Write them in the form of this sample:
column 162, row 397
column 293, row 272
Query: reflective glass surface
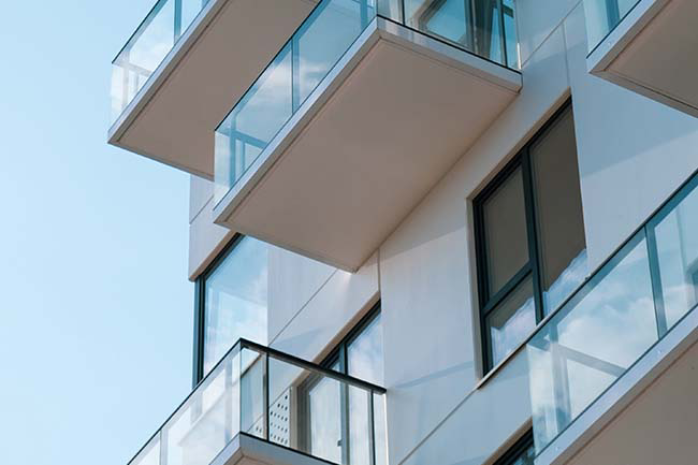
column 314, row 49
column 484, row 27
column 235, row 300
column 511, row 321
column 615, row 317
column 506, row 238
column 270, row 396
column 365, row 361
column 147, row 47
column 560, row 219
column 602, row 16
column 676, row 235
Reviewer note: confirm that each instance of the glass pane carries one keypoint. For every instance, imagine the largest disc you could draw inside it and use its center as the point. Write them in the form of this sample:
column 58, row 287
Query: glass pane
column 475, row 25
column 321, row 42
column 512, row 321
column 677, row 249
column 359, row 426
column 390, row 9
column 254, row 121
column 365, row 353
column 308, row 410
column 324, row 412
column 150, row 455
column 285, row 417
column 591, row 341
column 252, row 393
column 603, row 16
column 203, row 426
column 527, row 457
column 305, row 61
column 563, row 260
column 511, row 38
column 506, row 240
column 380, row 429
column 148, row 47
column 235, row 300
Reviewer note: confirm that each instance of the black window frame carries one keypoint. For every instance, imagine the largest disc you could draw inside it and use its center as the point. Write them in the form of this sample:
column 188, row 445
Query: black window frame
column 532, row 269
column 515, row 452
column 339, row 356
column 200, row 308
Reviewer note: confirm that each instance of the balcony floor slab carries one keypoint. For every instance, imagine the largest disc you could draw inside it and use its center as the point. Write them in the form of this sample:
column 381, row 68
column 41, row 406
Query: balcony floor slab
column 173, row 116
column 652, row 52
column 365, row 148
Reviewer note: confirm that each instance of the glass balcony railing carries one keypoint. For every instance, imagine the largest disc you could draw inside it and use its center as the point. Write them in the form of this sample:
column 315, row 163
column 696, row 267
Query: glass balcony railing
column 148, row 47
column 617, row 316
column 602, row 17
column 483, row 27
column 279, row 399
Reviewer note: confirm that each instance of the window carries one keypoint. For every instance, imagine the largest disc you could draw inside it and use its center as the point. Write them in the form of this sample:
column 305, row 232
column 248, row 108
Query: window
column 531, row 248
column 360, row 355
column 232, row 302
column 522, row 453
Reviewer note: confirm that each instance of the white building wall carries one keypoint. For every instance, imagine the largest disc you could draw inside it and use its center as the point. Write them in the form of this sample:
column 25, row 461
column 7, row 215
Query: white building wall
column 632, row 154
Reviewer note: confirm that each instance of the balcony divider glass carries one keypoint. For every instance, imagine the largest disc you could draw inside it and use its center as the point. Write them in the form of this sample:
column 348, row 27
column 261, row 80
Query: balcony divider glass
column 602, row 17
column 269, row 395
column 147, row 47
column 483, row 27
column 618, row 315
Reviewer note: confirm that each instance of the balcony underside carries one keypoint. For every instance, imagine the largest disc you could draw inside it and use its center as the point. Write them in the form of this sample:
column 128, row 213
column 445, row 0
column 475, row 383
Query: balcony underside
column 377, row 134
column 648, row 417
column 173, row 117
column 652, row 52
column 249, row 450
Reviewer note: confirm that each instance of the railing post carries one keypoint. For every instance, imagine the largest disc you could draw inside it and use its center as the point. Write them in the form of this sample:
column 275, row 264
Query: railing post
column 364, row 13
column 295, row 74
column 371, row 429
column 177, row 19
column 265, row 396
column 657, row 291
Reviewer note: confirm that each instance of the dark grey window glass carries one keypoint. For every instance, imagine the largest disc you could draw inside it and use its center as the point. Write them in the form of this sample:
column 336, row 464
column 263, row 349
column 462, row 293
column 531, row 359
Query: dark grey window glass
column 504, row 217
column 235, row 300
column 530, row 238
column 522, row 453
column 559, row 211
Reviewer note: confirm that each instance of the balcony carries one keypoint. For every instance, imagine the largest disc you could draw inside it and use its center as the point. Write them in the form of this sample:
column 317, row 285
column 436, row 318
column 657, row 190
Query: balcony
column 262, row 406
column 613, row 372
column 359, row 115
column 646, row 46
column 185, row 66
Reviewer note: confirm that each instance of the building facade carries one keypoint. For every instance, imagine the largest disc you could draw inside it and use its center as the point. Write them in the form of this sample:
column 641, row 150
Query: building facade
column 429, row 232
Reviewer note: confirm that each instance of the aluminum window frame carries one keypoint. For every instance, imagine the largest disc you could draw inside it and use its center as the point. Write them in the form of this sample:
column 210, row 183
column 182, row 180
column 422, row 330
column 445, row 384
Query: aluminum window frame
column 199, row 340
column 488, row 302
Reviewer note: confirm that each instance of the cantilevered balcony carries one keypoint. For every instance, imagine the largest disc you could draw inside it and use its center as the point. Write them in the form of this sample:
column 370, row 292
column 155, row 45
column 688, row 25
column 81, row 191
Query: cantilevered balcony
column 647, row 46
column 620, row 355
column 185, row 66
column 362, row 111
column 262, row 406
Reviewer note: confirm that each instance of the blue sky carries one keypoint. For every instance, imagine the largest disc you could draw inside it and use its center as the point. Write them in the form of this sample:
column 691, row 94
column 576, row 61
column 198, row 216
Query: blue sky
column 95, row 307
